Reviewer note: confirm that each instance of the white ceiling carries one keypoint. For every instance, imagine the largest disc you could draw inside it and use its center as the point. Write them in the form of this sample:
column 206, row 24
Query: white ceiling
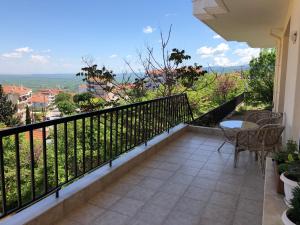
column 250, row 21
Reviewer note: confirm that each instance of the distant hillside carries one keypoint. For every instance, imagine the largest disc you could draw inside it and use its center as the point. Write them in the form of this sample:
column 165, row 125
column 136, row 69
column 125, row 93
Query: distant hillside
column 38, row 81
column 71, row 82
column 228, row 69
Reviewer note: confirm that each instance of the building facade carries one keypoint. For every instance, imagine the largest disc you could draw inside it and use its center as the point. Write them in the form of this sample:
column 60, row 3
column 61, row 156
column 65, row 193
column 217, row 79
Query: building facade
column 264, row 24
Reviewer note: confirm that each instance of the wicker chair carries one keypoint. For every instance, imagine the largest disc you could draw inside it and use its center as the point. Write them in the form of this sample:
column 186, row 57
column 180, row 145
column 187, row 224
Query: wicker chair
column 263, row 141
column 255, row 116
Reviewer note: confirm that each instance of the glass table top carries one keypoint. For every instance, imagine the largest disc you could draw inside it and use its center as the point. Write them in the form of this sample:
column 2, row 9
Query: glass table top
column 238, row 124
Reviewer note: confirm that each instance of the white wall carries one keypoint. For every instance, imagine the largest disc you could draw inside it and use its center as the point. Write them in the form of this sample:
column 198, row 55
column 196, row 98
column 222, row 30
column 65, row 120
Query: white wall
column 292, row 84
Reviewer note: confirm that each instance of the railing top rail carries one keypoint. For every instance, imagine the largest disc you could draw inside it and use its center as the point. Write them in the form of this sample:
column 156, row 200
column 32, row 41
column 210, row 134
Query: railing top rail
column 29, row 127
column 220, row 106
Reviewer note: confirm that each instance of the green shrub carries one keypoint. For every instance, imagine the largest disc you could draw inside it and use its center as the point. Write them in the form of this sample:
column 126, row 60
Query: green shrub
column 294, row 212
column 293, row 171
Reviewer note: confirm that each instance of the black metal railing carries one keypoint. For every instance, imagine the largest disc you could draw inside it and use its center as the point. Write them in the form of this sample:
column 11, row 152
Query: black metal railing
column 38, row 159
column 214, row 116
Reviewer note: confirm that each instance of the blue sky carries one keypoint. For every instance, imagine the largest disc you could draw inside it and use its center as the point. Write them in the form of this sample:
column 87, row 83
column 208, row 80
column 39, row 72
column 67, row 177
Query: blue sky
column 52, row 36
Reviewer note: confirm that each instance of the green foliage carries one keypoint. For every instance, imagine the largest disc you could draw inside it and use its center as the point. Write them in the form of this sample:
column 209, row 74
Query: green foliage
column 86, row 102
column 294, row 212
column 28, row 117
column 66, row 107
column 38, row 117
column 282, row 167
column 289, row 154
column 62, row 97
column 7, row 110
column 293, row 171
column 261, row 77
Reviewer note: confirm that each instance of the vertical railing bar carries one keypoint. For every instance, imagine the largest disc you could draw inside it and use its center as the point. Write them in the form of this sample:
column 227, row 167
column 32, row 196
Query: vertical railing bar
column 56, row 157
column 135, row 121
column 105, row 138
column 116, row 134
column 18, row 169
column 122, row 124
column 131, row 125
column 161, row 126
column 83, row 144
column 139, row 124
column 126, row 140
column 91, row 141
column 66, row 151
column 145, row 112
column 3, row 189
column 75, row 148
column 111, row 139
column 32, row 161
column 155, row 117
column 45, row 160
column 98, row 139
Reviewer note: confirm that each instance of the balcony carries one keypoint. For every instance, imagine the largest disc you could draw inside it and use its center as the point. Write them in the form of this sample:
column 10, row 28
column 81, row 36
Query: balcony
column 134, row 164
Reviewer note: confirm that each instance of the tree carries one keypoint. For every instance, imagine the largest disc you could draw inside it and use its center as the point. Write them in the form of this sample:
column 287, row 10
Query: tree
column 7, row 110
column 261, row 77
column 85, row 102
column 63, row 96
column 168, row 75
column 66, row 107
column 28, row 117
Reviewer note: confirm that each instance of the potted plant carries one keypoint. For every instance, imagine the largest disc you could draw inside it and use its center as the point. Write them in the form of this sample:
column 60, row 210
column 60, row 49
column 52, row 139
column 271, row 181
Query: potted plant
column 291, row 216
column 282, row 159
column 290, row 178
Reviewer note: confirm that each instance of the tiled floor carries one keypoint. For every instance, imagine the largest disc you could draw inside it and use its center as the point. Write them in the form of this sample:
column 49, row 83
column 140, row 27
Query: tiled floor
column 186, row 183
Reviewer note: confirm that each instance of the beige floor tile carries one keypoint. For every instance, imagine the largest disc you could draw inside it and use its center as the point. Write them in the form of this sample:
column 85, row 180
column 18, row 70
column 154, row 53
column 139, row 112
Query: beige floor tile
column 86, row 213
column 190, row 206
column 104, row 200
column 204, row 183
column 174, row 188
column 244, row 218
column 111, row 218
column 198, row 193
column 140, row 193
column 152, row 214
column 151, row 183
column 187, row 170
column 179, row 218
column 195, row 163
column 127, row 206
column 187, row 182
column 169, row 166
column 217, row 214
column 180, row 178
column 131, row 178
column 67, row 221
column 224, row 199
column 119, row 188
column 161, row 174
column 228, row 188
column 163, row 199
column 250, row 206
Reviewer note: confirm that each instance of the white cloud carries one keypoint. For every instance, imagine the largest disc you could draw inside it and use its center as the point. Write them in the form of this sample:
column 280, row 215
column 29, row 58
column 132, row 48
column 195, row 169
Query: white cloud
column 223, row 61
column 24, row 50
column 12, row 55
column 128, row 56
column 17, row 53
column 113, row 56
column 219, row 50
column 246, row 54
column 43, row 59
column 217, row 36
column 148, row 30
